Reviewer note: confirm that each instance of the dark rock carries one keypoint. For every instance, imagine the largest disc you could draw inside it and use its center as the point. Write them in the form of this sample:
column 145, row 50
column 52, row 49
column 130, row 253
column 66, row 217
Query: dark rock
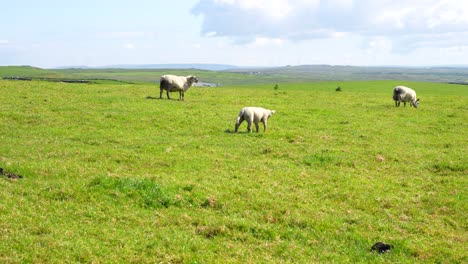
column 9, row 175
column 381, row 247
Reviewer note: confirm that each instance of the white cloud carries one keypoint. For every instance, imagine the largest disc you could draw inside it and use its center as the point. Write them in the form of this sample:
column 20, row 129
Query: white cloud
column 129, row 46
column 210, row 34
column 4, row 42
column 379, row 45
column 270, row 8
column 261, row 42
column 399, row 22
column 124, row 34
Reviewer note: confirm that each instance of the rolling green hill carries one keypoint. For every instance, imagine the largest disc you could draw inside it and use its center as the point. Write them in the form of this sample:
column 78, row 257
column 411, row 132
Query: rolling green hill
column 28, row 71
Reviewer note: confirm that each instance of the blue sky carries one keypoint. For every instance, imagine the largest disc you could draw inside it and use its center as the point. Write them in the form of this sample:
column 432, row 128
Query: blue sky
column 53, row 33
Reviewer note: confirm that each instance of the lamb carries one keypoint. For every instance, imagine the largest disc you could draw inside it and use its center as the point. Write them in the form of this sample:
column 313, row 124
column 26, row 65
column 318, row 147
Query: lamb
column 255, row 115
column 173, row 83
column 405, row 94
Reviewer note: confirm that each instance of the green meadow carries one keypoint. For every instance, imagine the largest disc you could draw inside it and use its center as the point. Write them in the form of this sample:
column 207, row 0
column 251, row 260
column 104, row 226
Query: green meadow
column 113, row 175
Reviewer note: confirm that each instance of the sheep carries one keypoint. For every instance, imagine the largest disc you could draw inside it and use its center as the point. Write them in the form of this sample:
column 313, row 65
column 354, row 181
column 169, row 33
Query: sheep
column 173, row 83
column 255, row 115
column 405, row 94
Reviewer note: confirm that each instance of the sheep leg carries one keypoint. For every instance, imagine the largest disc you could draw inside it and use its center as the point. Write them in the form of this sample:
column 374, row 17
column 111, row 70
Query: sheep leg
column 264, row 125
column 256, row 126
column 168, row 97
column 238, row 123
column 404, row 104
column 160, row 93
column 249, row 125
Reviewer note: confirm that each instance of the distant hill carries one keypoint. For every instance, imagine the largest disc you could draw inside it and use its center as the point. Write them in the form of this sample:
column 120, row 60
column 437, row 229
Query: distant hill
column 345, row 73
column 73, row 67
column 198, row 66
column 28, row 71
column 233, row 75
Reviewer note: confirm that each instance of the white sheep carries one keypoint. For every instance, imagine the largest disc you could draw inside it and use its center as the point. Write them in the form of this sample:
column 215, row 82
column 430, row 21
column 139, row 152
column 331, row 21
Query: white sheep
column 173, row 83
column 405, row 94
column 254, row 115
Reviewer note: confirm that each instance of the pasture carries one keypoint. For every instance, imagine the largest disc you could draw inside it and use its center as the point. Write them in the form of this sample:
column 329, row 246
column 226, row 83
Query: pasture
column 111, row 175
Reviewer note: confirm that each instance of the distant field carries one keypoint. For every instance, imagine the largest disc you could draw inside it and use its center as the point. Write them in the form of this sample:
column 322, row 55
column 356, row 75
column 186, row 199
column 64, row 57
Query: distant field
column 27, row 71
column 242, row 76
column 112, row 176
column 347, row 73
column 138, row 75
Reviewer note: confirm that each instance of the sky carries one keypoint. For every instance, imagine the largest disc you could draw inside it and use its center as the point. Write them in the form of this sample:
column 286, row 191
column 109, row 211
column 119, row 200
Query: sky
column 55, row 33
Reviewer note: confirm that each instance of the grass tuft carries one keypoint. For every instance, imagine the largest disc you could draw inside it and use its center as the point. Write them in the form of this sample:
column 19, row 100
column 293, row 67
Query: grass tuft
column 321, row 159
column 445, row 167
column 143, row 192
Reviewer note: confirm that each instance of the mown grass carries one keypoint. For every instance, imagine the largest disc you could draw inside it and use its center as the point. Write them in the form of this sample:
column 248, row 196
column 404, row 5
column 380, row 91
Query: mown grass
column 111, row 176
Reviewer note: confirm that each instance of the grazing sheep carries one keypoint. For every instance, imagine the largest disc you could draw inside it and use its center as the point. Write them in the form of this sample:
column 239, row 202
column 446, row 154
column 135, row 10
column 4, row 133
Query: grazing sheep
column 253, row 115
column 173, row 83
column 405, row 94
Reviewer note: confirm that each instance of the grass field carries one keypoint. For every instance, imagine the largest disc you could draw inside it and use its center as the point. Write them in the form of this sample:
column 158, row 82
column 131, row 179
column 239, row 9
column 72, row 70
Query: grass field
column 112, row 176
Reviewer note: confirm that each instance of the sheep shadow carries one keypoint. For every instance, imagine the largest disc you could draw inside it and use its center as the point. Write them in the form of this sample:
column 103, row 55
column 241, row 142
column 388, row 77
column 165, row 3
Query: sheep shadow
column 243, row 132
column 149, row 97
